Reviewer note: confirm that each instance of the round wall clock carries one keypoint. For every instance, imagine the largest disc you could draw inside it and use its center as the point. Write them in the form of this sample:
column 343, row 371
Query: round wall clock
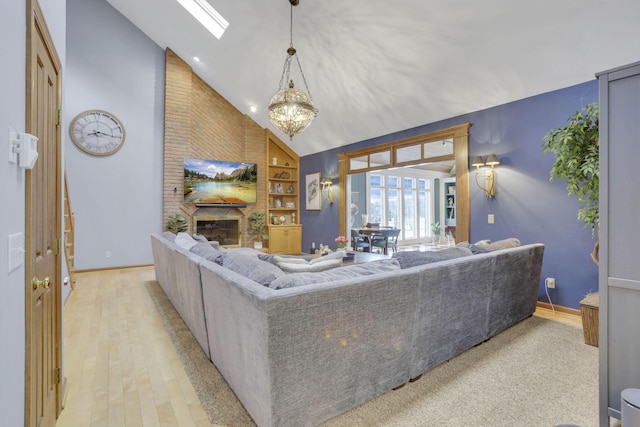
column 97, row 132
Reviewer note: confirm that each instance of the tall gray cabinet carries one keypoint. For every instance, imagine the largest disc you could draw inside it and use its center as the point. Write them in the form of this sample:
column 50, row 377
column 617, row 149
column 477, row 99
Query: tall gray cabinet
column 619, row 276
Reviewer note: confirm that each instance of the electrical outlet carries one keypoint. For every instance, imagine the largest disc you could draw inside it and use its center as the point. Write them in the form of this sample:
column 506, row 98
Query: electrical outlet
column 490, row 219
column 550, row 282
column 108, row 254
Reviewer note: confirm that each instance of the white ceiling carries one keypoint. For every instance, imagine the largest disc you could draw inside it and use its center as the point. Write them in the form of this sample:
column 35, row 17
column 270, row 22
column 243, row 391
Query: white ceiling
column 378, row 66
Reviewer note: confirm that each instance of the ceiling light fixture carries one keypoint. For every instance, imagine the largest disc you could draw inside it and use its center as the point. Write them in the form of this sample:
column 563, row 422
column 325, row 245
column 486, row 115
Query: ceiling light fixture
column 291, row 110
column 206, row 15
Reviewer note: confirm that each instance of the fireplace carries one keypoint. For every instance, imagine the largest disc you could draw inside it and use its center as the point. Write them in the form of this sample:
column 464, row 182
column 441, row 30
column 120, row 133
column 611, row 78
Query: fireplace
column 223, row 228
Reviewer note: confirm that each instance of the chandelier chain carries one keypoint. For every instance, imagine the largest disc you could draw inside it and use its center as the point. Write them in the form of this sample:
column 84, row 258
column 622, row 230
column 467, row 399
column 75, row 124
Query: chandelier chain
column 291, row 26
column 304, row 80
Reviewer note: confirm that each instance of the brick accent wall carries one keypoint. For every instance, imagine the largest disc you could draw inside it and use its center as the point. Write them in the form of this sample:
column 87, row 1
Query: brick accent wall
column 201, row 124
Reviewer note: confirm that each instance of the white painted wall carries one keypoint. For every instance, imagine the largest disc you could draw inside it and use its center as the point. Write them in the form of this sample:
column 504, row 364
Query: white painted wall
column 12, row 189
column 117, row 199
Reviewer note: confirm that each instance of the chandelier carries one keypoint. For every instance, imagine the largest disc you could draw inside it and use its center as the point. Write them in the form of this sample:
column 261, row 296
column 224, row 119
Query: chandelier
column 291, row 110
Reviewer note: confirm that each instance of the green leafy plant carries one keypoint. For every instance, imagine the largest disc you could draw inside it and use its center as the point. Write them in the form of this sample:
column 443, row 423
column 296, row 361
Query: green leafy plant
column 436, row 228
column 257, row 226
column 176, row 223
column 577, row 150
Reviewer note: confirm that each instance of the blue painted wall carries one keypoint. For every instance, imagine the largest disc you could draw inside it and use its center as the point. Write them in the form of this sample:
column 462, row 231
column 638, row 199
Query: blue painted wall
column 527, row 205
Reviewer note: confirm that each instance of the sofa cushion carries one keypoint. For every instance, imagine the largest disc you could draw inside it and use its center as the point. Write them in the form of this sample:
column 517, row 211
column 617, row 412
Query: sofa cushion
column 511, row 242
column 413, row 258
column 208, row 252
column 345, row 272
column 250, row 266
column 185, row 241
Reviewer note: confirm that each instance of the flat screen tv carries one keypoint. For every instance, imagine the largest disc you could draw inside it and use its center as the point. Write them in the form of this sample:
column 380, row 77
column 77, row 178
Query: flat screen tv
column 220, row 183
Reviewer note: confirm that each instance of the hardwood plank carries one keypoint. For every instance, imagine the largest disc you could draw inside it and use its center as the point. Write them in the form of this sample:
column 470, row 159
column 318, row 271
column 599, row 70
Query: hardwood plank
column 121, row 366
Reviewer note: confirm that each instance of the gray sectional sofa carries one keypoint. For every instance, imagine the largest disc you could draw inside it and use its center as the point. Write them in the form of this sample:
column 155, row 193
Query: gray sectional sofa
column 300, row 355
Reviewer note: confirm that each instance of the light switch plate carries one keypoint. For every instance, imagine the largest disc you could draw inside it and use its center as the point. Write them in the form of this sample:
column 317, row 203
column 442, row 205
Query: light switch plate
column 16, row 251
column 490, row 219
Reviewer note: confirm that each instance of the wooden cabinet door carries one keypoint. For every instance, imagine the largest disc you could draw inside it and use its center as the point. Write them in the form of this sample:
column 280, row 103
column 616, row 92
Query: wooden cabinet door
column 277, row 240
column 285, row 240
column 294, row 240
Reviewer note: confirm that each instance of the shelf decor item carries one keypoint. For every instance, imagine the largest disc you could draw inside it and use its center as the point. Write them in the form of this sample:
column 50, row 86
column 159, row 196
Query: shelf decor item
column 341, row 241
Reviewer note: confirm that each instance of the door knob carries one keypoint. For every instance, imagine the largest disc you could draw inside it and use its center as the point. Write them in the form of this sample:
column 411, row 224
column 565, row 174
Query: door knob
column 37, row 283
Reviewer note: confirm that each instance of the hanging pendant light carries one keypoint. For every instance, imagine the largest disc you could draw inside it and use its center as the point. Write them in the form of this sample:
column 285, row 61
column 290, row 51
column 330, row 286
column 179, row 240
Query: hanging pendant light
column 291, row 110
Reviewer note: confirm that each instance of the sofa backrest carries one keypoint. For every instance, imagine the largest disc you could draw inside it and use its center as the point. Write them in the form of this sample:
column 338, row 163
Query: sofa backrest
column 178, row 273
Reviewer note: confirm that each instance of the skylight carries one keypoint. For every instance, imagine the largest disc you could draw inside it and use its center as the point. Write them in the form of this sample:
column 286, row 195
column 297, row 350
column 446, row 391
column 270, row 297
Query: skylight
column 206, row 15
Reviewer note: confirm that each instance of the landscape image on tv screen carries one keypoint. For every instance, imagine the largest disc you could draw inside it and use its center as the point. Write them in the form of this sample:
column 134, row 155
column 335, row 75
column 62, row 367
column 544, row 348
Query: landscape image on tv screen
column 220, row 182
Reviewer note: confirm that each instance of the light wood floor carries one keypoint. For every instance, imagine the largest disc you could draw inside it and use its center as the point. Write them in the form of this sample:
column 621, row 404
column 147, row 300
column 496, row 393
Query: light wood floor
column 121, row 367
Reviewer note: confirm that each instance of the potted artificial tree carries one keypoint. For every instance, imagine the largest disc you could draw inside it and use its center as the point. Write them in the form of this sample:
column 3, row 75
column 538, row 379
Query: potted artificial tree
column 176, row 223
column 257, row 228
column 577, row 150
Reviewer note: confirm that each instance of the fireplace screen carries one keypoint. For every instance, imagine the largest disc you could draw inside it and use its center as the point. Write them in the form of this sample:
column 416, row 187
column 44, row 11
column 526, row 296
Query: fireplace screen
column 225, row 230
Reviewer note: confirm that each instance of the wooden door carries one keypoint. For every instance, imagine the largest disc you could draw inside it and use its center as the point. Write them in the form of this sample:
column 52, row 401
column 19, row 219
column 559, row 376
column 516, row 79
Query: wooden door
column 43, row 207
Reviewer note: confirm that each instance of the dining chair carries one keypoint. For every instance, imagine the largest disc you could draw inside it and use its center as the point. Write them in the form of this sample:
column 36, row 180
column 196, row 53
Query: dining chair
column 358, row 241
column 387, row 239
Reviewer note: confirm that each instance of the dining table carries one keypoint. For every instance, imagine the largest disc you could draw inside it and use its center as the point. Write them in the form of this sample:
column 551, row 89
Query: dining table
column 373, row 233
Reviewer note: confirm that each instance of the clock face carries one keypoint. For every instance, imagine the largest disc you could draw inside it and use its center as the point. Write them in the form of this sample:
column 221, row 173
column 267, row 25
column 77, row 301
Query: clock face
column 97, row 132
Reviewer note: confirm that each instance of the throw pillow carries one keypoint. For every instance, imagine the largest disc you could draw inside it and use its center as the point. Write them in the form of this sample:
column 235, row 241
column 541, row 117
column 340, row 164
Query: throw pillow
column 271, row 258
column 299, row 264
column 349, row 271
column 248, row 265
column 200, row 238
column 309, row 267
column 206, row 251
column 185, row 241
column 169, row 236
column 502, row 244
column 484, row 246
column 413, row 258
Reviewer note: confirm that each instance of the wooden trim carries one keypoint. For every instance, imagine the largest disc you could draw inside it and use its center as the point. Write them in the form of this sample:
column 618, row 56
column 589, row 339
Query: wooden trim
column 460, row 136
column 559, row 308
column 90, row 270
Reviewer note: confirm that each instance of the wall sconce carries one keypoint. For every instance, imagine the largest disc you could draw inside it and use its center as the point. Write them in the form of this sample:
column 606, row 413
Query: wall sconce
column 327, row 184
column 489, row 177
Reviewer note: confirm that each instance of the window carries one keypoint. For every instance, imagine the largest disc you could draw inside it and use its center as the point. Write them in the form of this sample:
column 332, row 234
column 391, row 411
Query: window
column 401, row 201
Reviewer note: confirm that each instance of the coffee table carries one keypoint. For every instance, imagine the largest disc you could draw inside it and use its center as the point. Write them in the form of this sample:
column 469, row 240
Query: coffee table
column 364, row 257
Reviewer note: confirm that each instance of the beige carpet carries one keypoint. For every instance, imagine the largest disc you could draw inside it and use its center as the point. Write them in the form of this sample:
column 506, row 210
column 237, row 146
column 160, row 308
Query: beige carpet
column 537, row 373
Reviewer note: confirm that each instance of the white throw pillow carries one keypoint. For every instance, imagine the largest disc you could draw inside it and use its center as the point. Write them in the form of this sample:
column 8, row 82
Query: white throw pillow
column 294, row 267
column 185, row 241
column 298, row 265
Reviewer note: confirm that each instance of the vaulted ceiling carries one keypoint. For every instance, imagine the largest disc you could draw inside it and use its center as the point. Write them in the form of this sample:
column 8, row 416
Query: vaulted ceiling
column 375, row 67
